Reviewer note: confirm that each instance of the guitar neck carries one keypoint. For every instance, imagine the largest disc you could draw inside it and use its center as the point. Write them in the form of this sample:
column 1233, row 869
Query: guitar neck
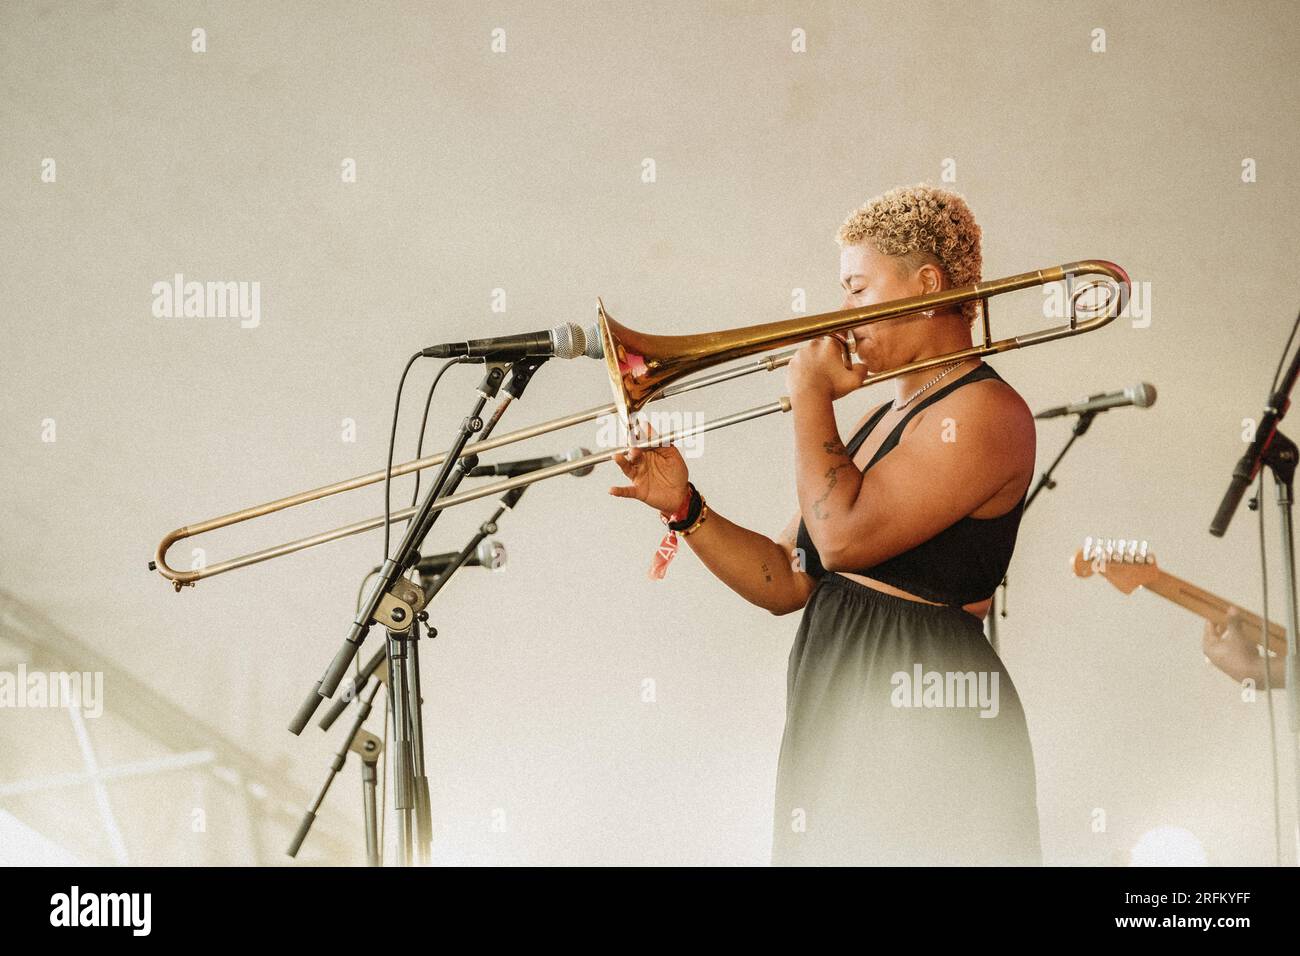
column 1215, row 609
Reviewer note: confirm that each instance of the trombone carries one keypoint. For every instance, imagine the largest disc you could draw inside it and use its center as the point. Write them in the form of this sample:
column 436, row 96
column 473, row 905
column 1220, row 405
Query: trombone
column 643, row 368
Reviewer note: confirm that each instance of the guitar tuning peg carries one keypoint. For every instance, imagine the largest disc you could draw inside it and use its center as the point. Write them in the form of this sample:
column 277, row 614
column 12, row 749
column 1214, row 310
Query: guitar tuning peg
column 1143, row 557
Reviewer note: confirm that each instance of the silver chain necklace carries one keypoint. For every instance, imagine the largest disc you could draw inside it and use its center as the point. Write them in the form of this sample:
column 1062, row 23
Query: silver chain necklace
column 928, row 385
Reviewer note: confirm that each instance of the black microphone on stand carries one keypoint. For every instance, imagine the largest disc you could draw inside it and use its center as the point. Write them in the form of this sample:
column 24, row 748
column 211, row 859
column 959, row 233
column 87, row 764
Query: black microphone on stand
column 1143, row 395
column 512, row 469
column 564, row 341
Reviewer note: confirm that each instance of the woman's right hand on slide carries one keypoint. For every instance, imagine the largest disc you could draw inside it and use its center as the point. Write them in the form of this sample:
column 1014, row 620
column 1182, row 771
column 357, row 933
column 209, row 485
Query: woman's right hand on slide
column 658, row 475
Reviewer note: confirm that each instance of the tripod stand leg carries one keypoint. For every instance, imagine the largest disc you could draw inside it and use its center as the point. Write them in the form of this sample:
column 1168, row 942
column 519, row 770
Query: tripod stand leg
column 403, row 802
column 423, row 829
column 368, row 748
column 369, row 778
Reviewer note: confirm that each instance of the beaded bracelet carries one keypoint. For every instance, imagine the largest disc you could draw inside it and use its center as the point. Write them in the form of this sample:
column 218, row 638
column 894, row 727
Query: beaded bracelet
column 704, row 513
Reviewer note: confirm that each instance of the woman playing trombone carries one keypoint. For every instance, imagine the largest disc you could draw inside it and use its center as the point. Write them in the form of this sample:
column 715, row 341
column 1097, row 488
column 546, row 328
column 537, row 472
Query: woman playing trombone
column 904, row 741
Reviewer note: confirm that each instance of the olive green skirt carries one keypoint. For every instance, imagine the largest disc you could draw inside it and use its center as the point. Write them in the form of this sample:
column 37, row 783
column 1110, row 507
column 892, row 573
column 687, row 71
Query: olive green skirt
column 905, row 742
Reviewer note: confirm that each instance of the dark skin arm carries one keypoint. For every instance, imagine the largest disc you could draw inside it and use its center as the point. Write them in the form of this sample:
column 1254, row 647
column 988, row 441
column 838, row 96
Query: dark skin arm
column 758, row 568
column 973, row 450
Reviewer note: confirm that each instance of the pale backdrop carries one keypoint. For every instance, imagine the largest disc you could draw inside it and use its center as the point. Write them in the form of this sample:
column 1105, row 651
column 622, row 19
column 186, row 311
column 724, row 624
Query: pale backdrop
column 578, row 712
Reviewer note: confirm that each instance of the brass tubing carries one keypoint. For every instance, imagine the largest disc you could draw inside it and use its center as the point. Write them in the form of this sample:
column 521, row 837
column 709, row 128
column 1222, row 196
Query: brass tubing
column 663, row 362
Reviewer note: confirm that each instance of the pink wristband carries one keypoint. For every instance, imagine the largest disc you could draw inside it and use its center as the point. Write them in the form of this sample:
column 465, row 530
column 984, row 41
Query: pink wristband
column 667, row 549
column 681, row 511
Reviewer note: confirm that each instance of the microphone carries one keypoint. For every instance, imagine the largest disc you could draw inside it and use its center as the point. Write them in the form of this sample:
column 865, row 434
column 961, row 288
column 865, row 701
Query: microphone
column 1143, row 395
column 510, row 469
column 595, row 348
column 564, row 341
column 489, row 554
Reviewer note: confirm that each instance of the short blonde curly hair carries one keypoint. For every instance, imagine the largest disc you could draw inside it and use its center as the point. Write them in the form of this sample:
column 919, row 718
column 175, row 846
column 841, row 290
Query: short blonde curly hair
column 921, row 224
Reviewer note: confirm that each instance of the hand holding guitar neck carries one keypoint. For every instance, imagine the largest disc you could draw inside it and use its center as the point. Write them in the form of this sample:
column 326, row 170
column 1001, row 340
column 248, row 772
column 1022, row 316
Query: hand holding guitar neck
column 1232, row 636
column 1229, row 648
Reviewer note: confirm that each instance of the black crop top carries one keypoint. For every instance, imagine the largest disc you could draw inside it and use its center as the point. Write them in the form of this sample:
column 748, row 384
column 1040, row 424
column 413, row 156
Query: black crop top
column 963, row 563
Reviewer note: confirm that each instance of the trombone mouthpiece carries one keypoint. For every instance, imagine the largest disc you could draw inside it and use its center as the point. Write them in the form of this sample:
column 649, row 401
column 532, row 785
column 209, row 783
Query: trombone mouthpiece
column 851, row 346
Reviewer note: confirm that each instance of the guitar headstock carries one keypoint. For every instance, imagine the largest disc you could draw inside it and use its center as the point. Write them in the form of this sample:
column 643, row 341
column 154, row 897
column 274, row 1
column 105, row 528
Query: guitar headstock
column 1126, row 563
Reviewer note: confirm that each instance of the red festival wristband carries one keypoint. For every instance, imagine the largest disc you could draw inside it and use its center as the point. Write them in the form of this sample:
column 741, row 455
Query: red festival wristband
column 667, row 549
column 682, row 509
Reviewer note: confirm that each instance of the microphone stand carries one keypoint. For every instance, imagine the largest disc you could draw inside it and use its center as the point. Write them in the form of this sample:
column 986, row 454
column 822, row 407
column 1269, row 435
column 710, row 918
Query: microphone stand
column 1045, row 483
column 435, row 584
column 399, row 605
column 423, row 811
column 489, row 527
column 1045, row 480
column 385, row 603
column 400, row 688
column 423, row 818
column 1273, row 450
column 388, row 602
column 368, row 747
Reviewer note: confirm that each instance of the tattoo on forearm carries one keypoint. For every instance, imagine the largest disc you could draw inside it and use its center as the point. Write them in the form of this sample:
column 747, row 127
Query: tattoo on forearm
column 835, row 447
column 767, row 574
column 832, row 479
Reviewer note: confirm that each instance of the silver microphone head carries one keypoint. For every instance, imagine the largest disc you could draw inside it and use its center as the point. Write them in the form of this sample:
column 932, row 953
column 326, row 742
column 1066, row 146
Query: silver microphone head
column 1143, row 394
column 491, row 554
column 573, row 454
column 569, row 340
column 595, row 348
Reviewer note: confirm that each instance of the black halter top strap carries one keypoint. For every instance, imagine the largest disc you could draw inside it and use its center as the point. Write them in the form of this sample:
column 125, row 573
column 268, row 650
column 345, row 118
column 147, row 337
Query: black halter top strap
column 960, row 565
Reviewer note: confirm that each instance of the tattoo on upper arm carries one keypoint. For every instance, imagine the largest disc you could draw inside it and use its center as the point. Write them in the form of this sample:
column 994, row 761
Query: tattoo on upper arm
column 767, row 573
column 832, row 479
column 835, row 447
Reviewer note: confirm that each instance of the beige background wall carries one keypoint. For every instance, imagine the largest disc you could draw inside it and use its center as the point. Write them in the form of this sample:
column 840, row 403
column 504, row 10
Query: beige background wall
column 522, row 171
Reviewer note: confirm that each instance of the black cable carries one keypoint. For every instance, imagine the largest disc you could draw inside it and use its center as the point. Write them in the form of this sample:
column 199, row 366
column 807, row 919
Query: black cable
column 415, row 495
column 1268, row 661
column 388, row 512
column 392, row 442
column 424, row 421
column 361, row 594
column 393, row 438
column 388, row 521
